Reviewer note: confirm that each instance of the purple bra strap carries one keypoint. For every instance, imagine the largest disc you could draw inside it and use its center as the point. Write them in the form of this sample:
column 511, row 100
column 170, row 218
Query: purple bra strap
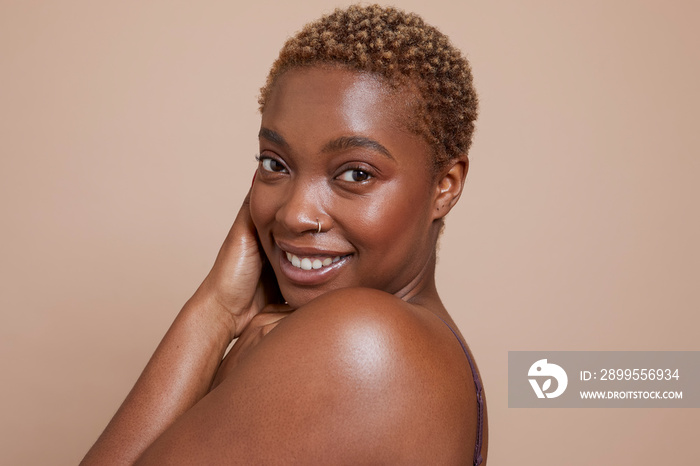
column 479, row 398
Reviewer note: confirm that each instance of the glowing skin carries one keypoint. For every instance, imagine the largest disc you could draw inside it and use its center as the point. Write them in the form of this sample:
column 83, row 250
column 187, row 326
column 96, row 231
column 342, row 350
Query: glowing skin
column 333, row 148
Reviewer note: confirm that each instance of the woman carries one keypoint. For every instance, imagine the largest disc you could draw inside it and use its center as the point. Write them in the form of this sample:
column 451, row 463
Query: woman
column 345, row 353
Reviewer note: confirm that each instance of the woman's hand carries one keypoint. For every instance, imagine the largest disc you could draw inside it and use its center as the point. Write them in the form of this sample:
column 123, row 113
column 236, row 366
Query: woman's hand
column 241, row 282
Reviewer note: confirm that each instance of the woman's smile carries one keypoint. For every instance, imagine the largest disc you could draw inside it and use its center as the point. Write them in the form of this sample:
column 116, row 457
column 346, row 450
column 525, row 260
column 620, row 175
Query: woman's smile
column 305, row 265
column 344, row 192
column 311, row 270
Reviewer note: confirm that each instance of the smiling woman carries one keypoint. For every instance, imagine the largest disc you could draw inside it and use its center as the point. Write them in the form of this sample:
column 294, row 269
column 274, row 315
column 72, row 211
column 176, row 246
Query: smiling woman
column 338, row 155
column 344, row 351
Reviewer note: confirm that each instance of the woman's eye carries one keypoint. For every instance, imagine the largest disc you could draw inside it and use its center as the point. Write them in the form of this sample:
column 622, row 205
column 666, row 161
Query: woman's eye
column 355, row 175
column 272, row 165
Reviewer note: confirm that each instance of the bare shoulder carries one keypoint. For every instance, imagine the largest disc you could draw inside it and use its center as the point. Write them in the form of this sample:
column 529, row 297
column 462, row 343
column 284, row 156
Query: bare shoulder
column 356, row 375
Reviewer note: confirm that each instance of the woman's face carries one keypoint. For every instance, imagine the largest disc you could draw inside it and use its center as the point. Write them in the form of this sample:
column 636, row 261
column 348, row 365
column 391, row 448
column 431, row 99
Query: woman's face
column 334, row 147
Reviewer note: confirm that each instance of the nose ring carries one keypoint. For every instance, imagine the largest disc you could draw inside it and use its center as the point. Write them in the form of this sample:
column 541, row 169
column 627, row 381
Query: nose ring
column 319, row 226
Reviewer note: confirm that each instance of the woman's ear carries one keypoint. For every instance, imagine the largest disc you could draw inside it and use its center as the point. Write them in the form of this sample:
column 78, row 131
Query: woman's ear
column 449, row 186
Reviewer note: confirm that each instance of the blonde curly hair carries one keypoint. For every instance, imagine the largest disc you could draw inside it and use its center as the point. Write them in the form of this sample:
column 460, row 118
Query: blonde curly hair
column 405, row 51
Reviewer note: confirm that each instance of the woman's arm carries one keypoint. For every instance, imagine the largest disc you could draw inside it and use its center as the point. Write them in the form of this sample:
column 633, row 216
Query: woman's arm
column 177, row 376
column 183, row 366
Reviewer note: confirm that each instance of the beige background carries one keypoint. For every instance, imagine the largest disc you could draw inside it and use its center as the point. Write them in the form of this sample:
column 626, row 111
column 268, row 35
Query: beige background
column 127, row 136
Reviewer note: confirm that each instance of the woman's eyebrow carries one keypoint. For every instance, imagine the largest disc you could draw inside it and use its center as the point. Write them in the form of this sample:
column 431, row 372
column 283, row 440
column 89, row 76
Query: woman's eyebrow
column 273, row 136
column 346, row 142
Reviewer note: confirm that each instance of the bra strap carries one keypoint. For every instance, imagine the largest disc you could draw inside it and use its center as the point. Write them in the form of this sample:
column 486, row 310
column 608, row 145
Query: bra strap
column 479, row 398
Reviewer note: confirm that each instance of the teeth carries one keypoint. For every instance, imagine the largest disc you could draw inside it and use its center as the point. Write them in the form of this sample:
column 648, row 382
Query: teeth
column 307, row 263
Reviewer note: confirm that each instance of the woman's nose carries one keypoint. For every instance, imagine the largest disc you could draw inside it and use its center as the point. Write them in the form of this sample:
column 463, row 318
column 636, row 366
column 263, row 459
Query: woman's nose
column 301, row 209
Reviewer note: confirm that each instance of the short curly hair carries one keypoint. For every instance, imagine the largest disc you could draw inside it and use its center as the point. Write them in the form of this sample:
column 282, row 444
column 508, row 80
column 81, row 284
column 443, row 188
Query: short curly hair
column 403, row 49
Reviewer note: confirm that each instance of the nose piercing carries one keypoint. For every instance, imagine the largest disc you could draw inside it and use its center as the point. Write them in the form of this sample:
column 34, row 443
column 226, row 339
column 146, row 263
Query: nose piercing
column 319, row 226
